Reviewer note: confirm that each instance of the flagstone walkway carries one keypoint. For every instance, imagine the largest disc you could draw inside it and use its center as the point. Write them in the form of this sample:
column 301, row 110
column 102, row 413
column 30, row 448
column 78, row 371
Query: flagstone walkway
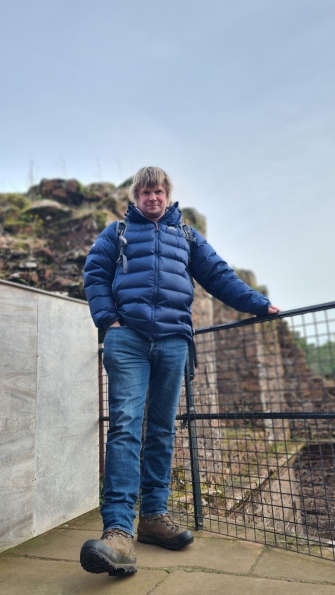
column 49, row 565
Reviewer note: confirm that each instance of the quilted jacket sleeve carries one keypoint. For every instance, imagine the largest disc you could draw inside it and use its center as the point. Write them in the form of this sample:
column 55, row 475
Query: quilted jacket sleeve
column 218, row 279
column 99, row 274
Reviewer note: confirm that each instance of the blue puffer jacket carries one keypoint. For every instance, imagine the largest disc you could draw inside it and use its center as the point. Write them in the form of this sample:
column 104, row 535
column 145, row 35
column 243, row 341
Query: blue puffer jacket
column 154, row 297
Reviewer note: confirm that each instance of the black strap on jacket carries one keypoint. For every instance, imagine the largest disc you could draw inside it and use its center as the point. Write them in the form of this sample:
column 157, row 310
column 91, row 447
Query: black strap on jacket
column 192, row 350
column 189, row 238
column 121, row 227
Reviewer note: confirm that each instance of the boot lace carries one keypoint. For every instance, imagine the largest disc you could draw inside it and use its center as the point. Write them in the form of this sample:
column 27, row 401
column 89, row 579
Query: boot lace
column 114, row 533
column 169, row 522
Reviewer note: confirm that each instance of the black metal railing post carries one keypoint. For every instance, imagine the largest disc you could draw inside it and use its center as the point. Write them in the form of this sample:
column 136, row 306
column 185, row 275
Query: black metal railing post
column 193, row 441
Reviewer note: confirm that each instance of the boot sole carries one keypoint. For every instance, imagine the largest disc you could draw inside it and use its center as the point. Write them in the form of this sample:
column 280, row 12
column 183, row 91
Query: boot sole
column 168, row 546
column 96, row 562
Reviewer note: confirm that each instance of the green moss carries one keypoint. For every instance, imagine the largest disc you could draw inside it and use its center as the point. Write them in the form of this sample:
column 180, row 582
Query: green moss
column 101, row 219
column 110, row 203
column 193, row 218
column 17, row 200
column 128, row 182
column 178, row 478
column 11, row 213
column 97, row 190
column 15, row 226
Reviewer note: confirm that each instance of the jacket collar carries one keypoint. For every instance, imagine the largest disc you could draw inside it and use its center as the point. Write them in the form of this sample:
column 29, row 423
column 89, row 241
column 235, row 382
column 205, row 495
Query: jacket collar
column 172, row 216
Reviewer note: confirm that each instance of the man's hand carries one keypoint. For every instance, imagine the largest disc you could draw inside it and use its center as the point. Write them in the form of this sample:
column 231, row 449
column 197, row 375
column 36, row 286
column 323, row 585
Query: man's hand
column 273, row 310
column 116, row 323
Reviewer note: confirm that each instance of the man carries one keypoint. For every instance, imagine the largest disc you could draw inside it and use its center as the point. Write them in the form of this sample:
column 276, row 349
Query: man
column 139, row 289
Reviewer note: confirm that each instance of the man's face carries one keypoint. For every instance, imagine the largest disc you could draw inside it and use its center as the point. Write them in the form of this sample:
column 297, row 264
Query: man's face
column 152, row 202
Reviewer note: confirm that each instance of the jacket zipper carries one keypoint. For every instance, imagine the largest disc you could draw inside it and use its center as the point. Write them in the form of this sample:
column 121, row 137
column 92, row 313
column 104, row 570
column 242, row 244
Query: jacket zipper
column 155, row 283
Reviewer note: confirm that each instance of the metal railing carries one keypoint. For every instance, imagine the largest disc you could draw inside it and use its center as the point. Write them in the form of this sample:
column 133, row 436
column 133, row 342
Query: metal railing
column 254, row 451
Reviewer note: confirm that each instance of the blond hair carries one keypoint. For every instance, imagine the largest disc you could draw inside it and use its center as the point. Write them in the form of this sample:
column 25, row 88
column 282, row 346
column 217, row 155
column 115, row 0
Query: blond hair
column 149, row 177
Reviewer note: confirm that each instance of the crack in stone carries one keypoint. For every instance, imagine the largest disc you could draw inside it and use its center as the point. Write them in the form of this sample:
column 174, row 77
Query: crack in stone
column 159, row 582
column 190, row 569
column 193, row 569
column 256, row 561
column 27, row 557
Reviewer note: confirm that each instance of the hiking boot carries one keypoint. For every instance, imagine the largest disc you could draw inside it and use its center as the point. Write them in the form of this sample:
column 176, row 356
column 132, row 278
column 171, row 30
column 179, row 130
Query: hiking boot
column 113, row 553
column 162, row 530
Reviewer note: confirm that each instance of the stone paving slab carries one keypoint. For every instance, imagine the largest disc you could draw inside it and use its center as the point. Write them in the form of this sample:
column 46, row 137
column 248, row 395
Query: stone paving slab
column 228, row 556
column 58, row 544
column 49, row 577
column 91, row 521
column 180, row 582
column 280, row 564
column 203, row 553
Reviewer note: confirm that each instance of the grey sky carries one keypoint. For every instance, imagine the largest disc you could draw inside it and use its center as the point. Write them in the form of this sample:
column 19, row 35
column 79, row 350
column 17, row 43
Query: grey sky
column 234, row 99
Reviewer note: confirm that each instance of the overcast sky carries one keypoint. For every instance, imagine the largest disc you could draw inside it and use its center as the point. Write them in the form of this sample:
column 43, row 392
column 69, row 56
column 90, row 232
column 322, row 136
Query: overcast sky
column 233, row 98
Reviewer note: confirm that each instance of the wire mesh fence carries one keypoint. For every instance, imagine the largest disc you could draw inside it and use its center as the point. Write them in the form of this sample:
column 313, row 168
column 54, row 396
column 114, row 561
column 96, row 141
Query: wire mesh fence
column 254, row 453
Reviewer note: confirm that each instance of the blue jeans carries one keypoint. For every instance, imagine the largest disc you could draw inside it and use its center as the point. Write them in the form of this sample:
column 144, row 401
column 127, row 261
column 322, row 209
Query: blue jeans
column 134, row 366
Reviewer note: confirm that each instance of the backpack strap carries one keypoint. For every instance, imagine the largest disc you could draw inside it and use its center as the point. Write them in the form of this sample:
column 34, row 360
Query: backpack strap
column 121, row 227
column 190, row 239
column 187, row 232
column 193, row 361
